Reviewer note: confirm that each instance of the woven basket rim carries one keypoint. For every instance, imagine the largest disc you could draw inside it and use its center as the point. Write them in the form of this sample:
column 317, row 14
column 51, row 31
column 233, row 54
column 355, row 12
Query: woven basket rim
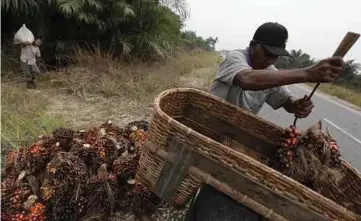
column 211, row 96
column 252, row 161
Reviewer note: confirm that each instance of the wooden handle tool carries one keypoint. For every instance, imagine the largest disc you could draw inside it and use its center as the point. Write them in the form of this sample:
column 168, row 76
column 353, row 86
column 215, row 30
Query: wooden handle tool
column 342, row 49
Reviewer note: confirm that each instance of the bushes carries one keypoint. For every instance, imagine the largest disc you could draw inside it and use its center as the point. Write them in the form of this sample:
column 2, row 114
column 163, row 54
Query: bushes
column 142, row 29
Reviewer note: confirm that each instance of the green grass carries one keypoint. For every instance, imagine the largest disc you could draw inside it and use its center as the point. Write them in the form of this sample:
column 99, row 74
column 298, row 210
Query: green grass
column 23, row 117
column 351, row 95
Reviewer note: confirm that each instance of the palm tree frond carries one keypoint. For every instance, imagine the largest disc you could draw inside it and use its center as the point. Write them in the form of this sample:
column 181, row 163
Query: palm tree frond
column 71, row 7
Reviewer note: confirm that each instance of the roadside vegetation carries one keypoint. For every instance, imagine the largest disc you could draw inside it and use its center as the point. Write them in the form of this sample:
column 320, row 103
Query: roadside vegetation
column 343, row 92
column 94, row 89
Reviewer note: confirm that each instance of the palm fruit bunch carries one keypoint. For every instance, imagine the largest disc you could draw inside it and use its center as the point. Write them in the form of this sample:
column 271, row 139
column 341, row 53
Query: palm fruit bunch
column 311, row 158
column 51, row 144
column 324, row 147
column 141, row 200
column 10, row 171
column 65, row 137
column 19, row 196
column 9, row 160
column 92, row 151
column 288, row 143
column 37, row 156
column 125, row 167
column 101, row 191
column 66, row 168
column 66, row 206
column 100, row 150
column 138, row 135
column 7, row 189
column 92, row 136
column 111, row 150
column 13, row 195
column 92, row 155
column 15, row 162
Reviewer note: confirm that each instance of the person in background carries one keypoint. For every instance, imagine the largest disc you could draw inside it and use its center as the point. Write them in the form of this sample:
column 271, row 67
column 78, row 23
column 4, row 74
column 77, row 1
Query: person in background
column 248, row 79
column 28, row 57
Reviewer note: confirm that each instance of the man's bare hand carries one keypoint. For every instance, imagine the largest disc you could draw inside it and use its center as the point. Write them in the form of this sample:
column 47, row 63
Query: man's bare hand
column 326, row 70
column 302, row 107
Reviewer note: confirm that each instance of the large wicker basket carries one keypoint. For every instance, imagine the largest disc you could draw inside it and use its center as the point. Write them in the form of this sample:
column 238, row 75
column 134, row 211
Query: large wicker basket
column 185, row 149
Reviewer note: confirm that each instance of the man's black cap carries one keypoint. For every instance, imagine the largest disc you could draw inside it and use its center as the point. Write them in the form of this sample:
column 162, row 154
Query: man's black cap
column 272, row 36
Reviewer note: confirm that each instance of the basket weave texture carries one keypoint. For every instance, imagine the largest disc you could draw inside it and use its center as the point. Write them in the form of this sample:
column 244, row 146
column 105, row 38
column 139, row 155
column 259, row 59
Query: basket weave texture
column 170, row 119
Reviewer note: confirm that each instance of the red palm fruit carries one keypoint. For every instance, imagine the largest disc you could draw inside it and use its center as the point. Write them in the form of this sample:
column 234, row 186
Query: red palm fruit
column 9, row 160
column 125, row 167
column 37, row 212
column 288, row 141
column 20, row 216
column 37, row 158
column 294, row 141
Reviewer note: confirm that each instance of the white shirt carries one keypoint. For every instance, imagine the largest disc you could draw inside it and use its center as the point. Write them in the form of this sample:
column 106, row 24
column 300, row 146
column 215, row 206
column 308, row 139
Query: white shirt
column 29, row 54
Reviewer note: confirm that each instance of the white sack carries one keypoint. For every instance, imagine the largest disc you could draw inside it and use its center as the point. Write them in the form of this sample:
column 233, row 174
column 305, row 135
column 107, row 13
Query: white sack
column 23, row 36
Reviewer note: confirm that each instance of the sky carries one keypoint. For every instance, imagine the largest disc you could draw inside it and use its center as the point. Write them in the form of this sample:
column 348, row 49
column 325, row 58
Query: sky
column 316, row 27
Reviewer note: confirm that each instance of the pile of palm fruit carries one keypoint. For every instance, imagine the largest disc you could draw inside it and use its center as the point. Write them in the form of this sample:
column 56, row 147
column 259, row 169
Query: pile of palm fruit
column 72, row 175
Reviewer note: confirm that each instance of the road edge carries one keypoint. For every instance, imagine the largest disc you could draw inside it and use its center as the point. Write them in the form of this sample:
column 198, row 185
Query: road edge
column 331, row 97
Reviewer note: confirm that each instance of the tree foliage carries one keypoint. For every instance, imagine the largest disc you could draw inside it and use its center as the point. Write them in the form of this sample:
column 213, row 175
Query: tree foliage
column 350, row 75
column 142, row 28
column 298, row 60
column 190, row 40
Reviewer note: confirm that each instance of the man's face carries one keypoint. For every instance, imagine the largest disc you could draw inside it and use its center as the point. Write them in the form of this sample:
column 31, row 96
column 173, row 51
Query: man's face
column 38, row 42
column 261, row 58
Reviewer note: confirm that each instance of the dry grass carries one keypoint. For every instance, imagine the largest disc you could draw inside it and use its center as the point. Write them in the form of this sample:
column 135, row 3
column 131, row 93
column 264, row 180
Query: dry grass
column 99, row 74
column 104, row 89
column 351, row 95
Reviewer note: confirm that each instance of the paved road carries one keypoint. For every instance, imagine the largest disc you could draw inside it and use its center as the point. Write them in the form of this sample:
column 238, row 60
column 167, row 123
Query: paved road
column 343, row 122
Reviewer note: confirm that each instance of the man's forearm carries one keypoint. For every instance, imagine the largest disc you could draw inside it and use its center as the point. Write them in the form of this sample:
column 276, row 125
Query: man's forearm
column 264, row 79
